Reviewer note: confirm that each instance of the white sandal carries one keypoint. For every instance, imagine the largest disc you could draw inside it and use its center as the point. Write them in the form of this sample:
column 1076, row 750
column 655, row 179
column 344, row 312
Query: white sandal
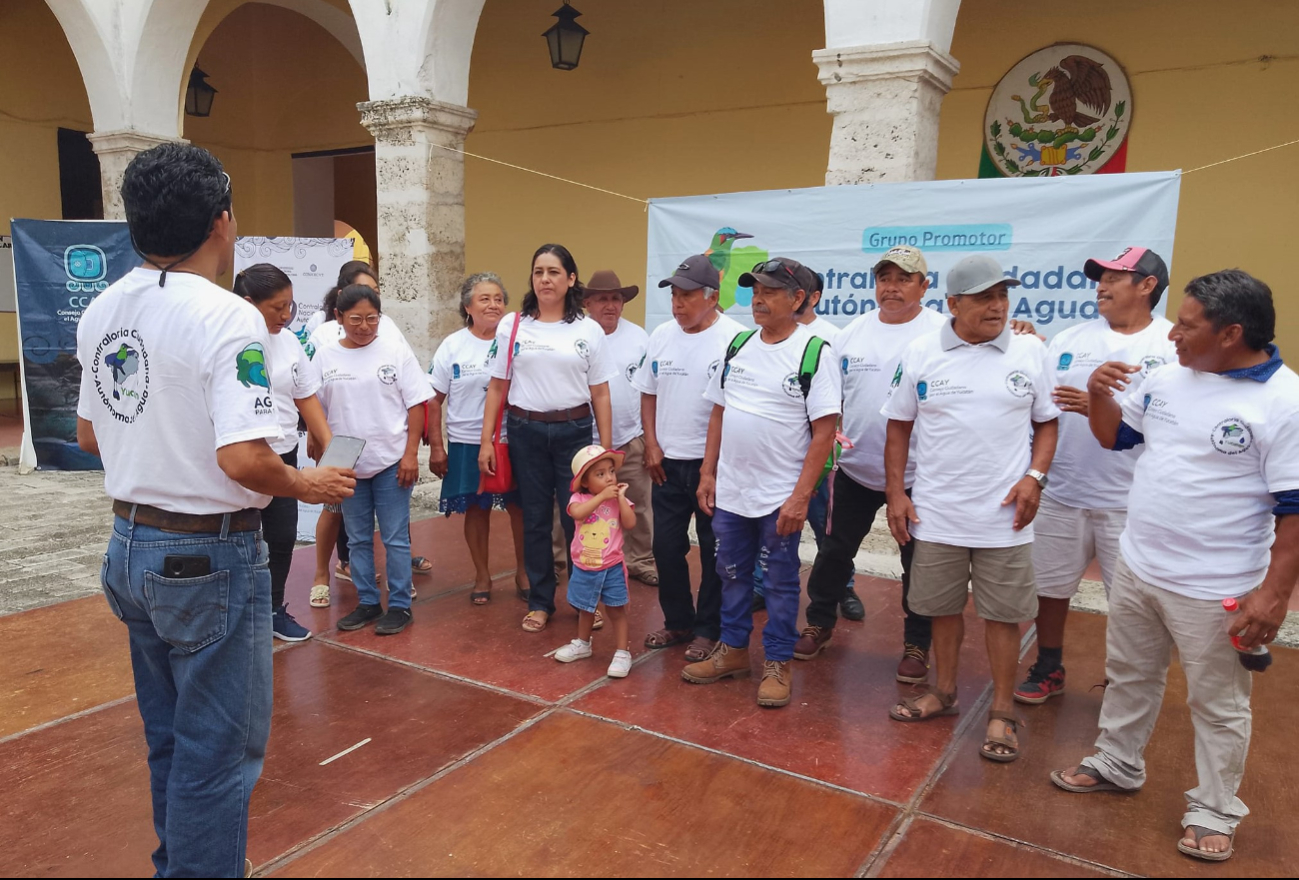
column 320, row 596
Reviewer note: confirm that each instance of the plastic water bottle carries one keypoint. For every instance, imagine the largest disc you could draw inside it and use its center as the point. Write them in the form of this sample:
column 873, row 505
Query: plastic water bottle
column 1256, row 659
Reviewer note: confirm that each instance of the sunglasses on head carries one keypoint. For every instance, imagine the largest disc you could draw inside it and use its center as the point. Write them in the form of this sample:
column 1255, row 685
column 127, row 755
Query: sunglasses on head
column 771, row 266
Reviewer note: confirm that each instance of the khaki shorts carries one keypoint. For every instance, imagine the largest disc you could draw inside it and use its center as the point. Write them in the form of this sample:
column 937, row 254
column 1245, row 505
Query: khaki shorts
column 1064, row 541
column 1001, row 577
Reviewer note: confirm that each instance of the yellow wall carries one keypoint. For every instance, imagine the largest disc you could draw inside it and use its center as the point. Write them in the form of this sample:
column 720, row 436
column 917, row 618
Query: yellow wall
column 1200, row 93
column 284, row 86
column 671, row 98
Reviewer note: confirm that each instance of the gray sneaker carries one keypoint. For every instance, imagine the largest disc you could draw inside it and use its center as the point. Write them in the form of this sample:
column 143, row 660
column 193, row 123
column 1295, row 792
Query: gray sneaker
column 396, row 620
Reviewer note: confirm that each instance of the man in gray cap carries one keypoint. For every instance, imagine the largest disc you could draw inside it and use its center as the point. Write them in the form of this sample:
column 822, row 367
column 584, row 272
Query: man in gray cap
column 682, row 356
column 975, row 394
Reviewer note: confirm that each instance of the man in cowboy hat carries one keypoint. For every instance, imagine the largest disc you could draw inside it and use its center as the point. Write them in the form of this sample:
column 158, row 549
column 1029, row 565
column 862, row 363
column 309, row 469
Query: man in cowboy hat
column 605, row 298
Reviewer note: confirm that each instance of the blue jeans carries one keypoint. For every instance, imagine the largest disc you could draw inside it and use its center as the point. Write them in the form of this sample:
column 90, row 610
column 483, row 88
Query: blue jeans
column 818, row 511
column 743, row 545
column 541, row 455
column 201, row 656
column 379, row 497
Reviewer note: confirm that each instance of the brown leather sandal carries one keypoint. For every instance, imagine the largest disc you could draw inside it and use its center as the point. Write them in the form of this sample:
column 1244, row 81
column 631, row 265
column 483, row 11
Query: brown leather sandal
column 535, row 621
column 666, row 638
column 700, row 649
column 916, row 713
column 1010, row 724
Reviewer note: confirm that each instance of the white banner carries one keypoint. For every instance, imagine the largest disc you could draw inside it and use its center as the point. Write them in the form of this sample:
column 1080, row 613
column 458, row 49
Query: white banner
column 312, row 265
column 1041, row 230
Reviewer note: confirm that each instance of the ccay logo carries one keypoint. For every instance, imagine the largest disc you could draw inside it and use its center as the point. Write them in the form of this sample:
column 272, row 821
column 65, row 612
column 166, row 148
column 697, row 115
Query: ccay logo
column 1065, row 360
column 86, row 267
column 922, row 390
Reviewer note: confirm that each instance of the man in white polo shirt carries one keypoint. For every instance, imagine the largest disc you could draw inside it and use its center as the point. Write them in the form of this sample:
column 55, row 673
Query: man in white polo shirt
column 682, row 356
column 1085, row 503
column 979, row 400
column 777, row 401
column 1213, row 515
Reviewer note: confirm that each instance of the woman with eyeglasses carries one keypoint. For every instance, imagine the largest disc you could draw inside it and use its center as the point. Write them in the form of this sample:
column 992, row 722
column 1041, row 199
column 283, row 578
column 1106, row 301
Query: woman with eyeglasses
column 372, row 387
column 554, row 383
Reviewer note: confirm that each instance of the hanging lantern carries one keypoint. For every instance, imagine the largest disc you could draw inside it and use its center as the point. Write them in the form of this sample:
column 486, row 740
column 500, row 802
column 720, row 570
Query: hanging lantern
column 565, row 38
column 199, row 94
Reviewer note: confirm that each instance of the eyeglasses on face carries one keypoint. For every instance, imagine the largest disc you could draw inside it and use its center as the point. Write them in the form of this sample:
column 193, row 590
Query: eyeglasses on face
column 358, row 320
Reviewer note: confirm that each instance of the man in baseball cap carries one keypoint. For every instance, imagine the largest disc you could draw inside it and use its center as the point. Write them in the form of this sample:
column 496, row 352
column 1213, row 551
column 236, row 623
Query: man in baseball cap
column 1141, row 262
column 977, row 398
column 694, row 272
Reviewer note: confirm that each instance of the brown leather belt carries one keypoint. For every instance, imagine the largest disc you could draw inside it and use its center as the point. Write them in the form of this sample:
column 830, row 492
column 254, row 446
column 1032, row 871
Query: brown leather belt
column 246, row 520
column 559, row 415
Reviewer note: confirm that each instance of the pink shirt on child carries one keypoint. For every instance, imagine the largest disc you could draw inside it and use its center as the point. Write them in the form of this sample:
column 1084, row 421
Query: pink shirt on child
column 597, row 540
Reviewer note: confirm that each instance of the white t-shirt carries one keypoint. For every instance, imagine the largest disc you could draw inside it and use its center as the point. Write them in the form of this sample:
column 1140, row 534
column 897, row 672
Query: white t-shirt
column 973, row 408
column 1200, row 520
column 366, row 393
column 292, row 379
column 317, row 318
column 766, row 424
column 626, row 347
column 461, row 370
column 678, row 366
column 169, row 375
column 555, row 364
column 1084, row 473
column 826, row 330
column 330, row 332
column 868, row 353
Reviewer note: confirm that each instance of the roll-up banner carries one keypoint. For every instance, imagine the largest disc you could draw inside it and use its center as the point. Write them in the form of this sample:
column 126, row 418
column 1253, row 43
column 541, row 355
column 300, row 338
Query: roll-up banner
column 1041, row 230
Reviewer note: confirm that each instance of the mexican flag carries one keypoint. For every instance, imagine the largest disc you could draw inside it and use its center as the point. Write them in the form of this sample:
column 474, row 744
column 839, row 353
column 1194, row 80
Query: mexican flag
column 1117, row 164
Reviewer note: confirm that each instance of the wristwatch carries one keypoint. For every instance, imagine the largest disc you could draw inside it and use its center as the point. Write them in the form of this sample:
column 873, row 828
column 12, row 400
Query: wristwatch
column 1039, row 476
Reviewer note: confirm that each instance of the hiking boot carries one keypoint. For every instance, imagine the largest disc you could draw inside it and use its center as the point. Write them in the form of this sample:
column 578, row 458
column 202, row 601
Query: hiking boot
column 362, row 615
column 913, row 668
column 285, row 628
column 777, row 681
column 1041, row 685
column 811, row 641
column 396, row 620
column 851, row 607
column 723, row 662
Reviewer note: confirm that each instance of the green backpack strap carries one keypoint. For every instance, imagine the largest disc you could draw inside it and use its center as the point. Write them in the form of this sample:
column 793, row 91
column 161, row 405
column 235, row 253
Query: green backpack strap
column 734, row 348
column 811, row 360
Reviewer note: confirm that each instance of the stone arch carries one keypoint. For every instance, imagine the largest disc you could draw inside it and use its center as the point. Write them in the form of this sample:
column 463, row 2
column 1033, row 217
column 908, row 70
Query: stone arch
column 418, row 48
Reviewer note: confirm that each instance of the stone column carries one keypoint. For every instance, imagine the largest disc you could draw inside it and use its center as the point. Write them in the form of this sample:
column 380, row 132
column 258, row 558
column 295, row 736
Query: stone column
column 421, row 194
column 886, row 101
column 116, row 149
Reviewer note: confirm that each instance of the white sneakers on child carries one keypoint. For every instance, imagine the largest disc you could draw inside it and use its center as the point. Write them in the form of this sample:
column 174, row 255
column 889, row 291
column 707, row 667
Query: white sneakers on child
column 574, row 650
column 621, row 664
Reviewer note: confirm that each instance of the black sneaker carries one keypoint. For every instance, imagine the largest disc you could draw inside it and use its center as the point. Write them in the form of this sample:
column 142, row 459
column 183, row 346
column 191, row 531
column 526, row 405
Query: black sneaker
column 361, row 616
column 393, row 622
column 851, row 607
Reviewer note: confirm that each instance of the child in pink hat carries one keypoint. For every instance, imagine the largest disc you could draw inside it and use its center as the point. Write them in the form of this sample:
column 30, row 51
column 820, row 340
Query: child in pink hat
column 600, row 512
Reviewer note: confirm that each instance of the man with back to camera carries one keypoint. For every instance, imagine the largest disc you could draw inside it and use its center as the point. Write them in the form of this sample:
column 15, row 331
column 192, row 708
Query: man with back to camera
column 682, row 356
column 1085, row 503
column 1213, row 515
column 978, row 399
column 175, row 398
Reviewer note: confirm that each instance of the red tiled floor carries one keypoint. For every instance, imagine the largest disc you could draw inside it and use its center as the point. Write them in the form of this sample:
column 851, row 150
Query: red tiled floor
column 1137, row 832
column 931, row 849
column 835, row 729
column 87, row 779
column 576, row 797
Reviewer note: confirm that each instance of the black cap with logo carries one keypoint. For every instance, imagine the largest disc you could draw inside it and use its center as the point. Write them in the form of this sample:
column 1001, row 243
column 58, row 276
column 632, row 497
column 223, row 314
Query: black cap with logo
column 695, row 272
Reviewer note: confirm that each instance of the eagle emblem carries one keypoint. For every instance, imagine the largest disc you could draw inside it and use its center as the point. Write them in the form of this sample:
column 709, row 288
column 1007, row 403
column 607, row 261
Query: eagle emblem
column 1063, row 110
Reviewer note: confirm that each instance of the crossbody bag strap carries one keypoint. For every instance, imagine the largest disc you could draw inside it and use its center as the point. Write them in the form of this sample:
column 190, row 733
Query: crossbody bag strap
column 509, row 375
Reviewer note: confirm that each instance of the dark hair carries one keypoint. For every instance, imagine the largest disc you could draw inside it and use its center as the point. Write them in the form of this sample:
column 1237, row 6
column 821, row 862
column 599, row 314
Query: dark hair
column 1233, row 296
column 173, row 194
column 261, row 282
column 352, row 294
column 351, row 270
column 575, row 295
column 467, row 292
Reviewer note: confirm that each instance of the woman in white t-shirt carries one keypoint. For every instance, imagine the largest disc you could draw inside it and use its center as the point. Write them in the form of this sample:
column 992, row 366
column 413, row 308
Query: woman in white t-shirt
column 293, row 389
column 372, row 387
column 460, row 373
column 554, row 382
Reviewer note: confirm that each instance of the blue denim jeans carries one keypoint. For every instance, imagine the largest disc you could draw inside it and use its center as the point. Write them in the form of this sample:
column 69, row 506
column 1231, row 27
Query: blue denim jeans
column 818, row 511
column 201, row 656
column 379, row 497
column 541, row 455
column 743, row 545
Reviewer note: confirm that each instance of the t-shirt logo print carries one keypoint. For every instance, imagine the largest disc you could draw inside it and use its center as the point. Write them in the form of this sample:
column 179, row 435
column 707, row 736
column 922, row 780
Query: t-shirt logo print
column 1065, row 360
column 121, row 371
column 922, row 389
column 897, row 376
column 712, row 368
column 250, row 366
column 1149, row 362
column 1019, row 384
column 583, row 350
column 387, row 374
column 1232, row 436
column 791, row 386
